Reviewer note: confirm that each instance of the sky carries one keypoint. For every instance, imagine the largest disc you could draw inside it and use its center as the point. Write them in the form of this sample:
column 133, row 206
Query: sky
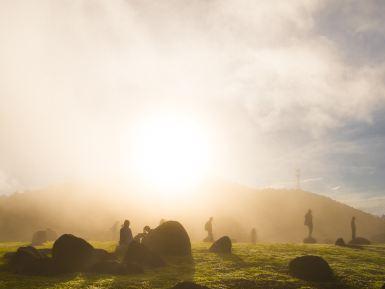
column 276, row 85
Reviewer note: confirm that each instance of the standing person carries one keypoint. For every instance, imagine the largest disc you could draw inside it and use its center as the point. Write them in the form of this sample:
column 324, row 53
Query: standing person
column 125, row 234
column 309, row 222
column 253, row 236
column 209, row 229
column 353, row 226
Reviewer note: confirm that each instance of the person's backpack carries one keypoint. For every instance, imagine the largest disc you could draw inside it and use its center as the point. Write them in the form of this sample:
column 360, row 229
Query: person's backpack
column 207, row 226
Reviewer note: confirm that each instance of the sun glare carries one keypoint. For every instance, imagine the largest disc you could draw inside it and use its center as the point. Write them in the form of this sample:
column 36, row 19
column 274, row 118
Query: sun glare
column 171, row 154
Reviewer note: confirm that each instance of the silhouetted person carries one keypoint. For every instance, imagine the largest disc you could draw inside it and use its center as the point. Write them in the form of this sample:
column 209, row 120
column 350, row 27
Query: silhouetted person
column 309, row 222
column 141, row 236
column 353, row 226
column 209, row 229
column 253, row 236
column 125, row 234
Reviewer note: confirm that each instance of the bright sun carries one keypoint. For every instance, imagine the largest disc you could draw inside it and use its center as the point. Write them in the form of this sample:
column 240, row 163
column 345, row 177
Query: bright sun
column 171, row 153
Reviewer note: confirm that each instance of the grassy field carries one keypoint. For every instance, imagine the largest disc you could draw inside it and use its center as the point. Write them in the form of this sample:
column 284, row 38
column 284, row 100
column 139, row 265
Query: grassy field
column 251, row 266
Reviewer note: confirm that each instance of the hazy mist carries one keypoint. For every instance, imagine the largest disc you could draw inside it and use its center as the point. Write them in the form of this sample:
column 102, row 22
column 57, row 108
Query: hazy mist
column 274, row 88
column 91, row 212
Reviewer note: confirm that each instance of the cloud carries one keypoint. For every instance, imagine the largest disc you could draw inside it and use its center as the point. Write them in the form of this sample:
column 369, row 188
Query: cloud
column 276, row 82
column 357, row 29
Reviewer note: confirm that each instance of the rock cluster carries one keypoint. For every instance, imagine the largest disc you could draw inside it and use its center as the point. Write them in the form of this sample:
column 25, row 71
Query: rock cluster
column 73, row 254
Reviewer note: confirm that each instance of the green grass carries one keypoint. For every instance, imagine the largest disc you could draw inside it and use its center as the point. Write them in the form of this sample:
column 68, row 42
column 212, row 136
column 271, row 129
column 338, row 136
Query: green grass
column 251, row 266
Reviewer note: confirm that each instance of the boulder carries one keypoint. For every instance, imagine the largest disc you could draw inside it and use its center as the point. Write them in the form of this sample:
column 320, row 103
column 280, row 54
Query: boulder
column 222, row 246
column 120, row 250
column 28, row 260
column 309, row 240
column 69, row 254
column 311, row 268
column 24, row 259
column 359, row 241
column 189, row 285
column 139, row 254
column 102, row 255
column 116, row 268
column 39, row 238
column 8, row 255
column 51, row 235
column 72, row 254
column 47, row 267
column 44, row 252
column 340, row 242
column 169, row 239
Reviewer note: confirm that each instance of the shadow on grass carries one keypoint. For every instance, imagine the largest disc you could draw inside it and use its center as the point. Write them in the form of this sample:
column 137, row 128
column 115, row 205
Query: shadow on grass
column 263, row 283
column 258, row 284
column 337, row 283
column 331, row 285
column 177, row 270
column 232, row 258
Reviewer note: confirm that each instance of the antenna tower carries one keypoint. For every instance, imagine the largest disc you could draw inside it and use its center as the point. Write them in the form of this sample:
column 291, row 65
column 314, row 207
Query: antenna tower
column 298, row 179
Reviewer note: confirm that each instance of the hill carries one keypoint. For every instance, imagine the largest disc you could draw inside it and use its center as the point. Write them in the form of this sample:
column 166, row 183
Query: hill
column 90, row 212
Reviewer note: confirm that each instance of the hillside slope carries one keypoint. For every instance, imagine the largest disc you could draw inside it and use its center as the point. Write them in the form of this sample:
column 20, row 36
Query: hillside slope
column 276, row 214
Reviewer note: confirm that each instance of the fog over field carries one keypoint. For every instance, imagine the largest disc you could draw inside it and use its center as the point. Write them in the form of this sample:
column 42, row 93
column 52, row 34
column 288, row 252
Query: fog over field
column 91, row 211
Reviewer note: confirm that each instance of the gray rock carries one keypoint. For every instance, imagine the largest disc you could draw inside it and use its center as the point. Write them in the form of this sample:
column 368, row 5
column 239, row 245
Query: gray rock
column 29, row 261
column 169, row 239
column 311, row 268
column 72, row 254
column 359, row 241
column 309, row 240
column 51, row 235
column 340, row 242
column 222, row 246
column 139, row 254
column 39, row 238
